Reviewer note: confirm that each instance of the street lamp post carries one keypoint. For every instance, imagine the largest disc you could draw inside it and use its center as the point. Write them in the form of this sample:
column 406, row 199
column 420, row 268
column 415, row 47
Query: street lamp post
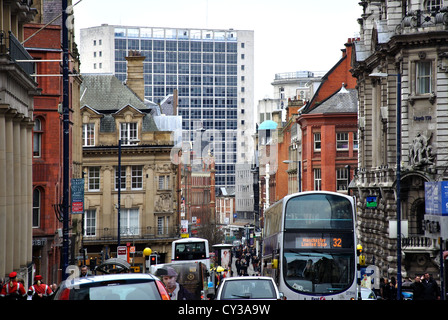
column 119, row 192
column 398, row 176
column 299, row 173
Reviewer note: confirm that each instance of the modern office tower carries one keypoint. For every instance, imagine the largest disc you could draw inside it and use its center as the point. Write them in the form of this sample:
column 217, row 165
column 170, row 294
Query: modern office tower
column 213, row 71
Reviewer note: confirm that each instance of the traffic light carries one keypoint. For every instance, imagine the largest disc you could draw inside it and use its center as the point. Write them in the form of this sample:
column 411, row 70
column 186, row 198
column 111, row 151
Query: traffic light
column 153, row 259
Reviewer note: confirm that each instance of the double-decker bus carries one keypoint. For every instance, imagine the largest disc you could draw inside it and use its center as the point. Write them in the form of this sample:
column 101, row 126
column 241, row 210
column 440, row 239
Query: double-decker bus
column 309, row 246
column 191, row 249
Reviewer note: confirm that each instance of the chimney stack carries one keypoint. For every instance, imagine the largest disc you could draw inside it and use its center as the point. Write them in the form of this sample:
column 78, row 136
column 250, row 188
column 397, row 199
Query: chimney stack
column 135, row 80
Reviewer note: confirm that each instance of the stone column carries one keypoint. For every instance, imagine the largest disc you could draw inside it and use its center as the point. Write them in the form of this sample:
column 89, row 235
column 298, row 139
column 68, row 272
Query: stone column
column 9, row 133
column 18, row 207
column 29, row 158
column 3, row 188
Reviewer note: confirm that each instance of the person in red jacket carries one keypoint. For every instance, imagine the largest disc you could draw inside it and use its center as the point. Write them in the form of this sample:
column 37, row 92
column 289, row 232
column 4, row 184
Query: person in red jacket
column 13, row 289
column 39, row 290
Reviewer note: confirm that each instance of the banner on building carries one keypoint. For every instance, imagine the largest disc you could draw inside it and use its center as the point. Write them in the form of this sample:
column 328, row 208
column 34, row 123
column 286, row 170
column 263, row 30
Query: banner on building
column 77, row 196
column 436, row 198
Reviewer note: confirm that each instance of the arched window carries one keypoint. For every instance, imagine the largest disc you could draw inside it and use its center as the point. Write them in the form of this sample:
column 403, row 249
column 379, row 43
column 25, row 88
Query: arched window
column 37, row 203
column 37, row 138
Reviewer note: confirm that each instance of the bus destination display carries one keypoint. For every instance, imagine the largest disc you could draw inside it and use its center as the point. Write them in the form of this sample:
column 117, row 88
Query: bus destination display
column 319, row 243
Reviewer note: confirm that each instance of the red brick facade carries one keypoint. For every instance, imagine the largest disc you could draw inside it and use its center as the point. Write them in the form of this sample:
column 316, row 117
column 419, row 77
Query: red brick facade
column 48, row 164
column 328, row 159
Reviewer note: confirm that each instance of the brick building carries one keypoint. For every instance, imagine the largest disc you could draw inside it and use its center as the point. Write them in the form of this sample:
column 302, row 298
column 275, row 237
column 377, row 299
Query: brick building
column 45, row 45
column 329, row 130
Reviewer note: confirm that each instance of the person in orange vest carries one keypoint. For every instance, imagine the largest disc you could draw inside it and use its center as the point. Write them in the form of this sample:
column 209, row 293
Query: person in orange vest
column 39, row 290
column 13, row 290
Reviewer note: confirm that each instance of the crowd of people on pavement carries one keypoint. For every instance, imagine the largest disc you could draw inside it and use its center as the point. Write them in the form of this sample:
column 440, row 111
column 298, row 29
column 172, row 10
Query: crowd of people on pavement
column 244, row 257
column 423, row 287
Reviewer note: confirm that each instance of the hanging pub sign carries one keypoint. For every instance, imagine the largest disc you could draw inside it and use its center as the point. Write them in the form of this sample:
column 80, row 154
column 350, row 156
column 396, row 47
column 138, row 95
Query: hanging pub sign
column 77, row 196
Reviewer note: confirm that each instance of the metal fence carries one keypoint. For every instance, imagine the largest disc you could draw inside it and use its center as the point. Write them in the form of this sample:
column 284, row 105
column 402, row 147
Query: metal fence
column 145, row 233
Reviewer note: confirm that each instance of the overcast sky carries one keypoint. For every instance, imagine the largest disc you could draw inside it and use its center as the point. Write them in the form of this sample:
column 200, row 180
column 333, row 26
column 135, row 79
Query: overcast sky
column 290, row 35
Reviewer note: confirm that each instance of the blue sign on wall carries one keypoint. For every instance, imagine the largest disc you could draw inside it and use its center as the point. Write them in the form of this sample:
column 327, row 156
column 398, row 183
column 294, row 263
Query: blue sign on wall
column 436, row 198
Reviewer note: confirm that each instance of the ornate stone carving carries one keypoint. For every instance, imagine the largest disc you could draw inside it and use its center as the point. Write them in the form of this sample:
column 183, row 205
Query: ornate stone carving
column 420, row 151
column 163, row 203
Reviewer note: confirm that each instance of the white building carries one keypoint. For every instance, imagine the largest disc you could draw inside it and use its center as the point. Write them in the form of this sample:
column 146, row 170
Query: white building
column 213, row 71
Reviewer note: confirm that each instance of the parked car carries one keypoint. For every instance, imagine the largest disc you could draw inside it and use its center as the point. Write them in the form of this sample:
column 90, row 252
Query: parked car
column 252, row 287
column 122, row 286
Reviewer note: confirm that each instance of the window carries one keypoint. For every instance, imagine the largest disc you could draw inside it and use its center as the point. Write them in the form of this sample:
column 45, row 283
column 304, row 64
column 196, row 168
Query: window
column 164, row 182
column 317, row 179
column 423, row 69
column 94, row 179
column 37, row 197
column 88, row 134
column 128, row 133
column 120, row 182
column 317, row 142
column 341, row 179
column 90, row 223
column 433, row 5
column 37, row 138
column 136, row 177
column 160, row 225
column 342, row 140
column 355, row 141
column 129, row 222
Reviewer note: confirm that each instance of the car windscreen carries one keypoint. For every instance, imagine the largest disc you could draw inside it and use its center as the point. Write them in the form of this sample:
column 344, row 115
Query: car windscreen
column 117, row 290
column 248, row 289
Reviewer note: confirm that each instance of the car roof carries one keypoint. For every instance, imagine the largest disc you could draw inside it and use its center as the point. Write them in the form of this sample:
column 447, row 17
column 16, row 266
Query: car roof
column 248, row 278
column 107, row 277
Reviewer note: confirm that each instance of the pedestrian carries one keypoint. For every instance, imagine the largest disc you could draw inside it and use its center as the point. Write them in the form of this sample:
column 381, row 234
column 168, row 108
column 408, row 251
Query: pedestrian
column 384, row 289
column 13, row 289
column 39, row 290
column 84, row 272
column 430, row 288
column 255, row 262
column 393, row 289
column 238, row 266
column 417, row 288
column 244, row 266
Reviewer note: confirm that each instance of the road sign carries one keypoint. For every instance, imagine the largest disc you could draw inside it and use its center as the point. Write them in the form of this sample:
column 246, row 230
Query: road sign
column 122, row 253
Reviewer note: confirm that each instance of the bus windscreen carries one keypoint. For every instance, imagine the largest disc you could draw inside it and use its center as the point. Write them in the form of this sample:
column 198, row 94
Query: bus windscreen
column 318, row 211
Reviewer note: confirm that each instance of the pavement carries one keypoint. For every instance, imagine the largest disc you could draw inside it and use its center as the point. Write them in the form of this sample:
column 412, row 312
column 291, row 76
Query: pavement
column 250, row 269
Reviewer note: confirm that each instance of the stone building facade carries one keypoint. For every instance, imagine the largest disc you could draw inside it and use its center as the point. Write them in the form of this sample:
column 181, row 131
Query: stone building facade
column 409, row 38
column 17, row 89
column 148, row 183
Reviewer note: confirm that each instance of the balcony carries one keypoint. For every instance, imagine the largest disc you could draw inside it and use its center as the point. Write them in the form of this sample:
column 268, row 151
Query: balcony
column 418, row 244
column 110, row 235
column 11, row 46
column 424, row 21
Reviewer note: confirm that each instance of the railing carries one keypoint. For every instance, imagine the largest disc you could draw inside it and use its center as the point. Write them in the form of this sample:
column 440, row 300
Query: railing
column 418, row 243
column 422, row 18
column 145, row 233
column 10, row 45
